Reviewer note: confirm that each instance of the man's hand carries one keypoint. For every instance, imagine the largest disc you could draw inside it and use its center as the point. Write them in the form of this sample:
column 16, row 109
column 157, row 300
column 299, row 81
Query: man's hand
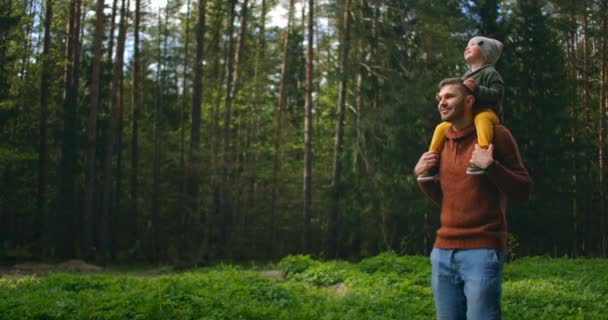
column 482, row 158
column 427, row 161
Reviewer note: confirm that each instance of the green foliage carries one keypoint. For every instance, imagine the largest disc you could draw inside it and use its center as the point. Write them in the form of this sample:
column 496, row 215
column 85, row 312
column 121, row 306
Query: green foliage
column 545, row 288
column 512, row 245
column 325, row 274
column 389, row 262
column 296, row 263
column 381, row 287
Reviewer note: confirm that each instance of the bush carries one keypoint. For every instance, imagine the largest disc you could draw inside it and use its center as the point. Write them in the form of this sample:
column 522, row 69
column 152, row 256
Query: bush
column 296, row 264
column 321, row 275
column 387, row 262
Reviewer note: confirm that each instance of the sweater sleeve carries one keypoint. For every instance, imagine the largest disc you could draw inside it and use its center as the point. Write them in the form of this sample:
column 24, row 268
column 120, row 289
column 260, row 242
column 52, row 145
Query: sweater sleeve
column 432, row 189
column 508, row 172
column 491, row 89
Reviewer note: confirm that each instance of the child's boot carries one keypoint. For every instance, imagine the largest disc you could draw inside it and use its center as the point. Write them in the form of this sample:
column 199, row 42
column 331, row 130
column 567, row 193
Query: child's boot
column 432, row 174
column 474, row 170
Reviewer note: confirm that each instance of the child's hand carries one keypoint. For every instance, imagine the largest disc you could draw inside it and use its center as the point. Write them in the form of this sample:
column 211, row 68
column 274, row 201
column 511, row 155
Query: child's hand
column 471, row 84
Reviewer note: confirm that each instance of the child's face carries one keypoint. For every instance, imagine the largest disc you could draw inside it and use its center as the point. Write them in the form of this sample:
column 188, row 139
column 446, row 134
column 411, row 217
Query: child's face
column 472, row 53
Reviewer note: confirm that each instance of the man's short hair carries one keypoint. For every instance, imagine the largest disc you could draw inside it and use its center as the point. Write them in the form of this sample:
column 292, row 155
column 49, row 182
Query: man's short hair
column 456, row 81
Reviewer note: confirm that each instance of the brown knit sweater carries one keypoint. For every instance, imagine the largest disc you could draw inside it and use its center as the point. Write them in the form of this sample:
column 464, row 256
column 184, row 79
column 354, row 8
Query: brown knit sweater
column 473, row 208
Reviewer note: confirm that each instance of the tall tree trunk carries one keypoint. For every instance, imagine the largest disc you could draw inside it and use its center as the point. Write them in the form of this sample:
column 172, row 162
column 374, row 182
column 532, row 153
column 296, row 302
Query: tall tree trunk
column 359, row 140
column 375, row 82
column 136, row 107
column 89, row 211
column 66, row 215
column 195, row 133
column 182, row 130
column 573, row 140
column 4, row 62
column 278, row 140
column 256, row 90
column 155, row 135
column 232, row 196
column 27, row 52
column 42, row 147
column 603, row 107
column 360, row 71
column 586, row 93
column 229, row 83
column 105, row 232
column 225, row 206
column 112, row 31
column 332, row 242
column 119, row 146
column 214, row 138
column 238, row 51
column 197, row 93
column 307, row 183
column 118, row 196
column 587, row 133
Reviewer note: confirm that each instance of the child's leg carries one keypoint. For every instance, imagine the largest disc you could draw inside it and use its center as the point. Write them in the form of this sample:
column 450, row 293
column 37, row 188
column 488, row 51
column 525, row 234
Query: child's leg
column 439, row 136
column 484, row 123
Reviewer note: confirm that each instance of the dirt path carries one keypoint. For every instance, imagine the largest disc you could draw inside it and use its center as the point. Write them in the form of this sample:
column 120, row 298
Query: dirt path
column 38, row 268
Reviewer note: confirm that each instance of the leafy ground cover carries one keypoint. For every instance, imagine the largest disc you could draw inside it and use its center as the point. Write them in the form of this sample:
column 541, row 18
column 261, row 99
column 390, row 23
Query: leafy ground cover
column 383, row 287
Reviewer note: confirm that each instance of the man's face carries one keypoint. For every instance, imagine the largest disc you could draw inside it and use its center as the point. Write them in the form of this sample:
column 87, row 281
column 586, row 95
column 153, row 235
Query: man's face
column 451, row 103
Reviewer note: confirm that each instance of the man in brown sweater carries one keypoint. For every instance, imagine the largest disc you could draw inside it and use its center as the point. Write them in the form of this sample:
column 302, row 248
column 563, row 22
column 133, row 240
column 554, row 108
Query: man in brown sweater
column 469, row 252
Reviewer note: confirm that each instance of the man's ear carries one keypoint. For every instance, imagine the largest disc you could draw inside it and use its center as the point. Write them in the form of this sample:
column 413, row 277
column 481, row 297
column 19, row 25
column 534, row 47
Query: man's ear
column 470, row 101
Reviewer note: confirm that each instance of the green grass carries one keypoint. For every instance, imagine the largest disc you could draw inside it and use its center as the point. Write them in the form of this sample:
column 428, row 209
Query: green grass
column 383, row 287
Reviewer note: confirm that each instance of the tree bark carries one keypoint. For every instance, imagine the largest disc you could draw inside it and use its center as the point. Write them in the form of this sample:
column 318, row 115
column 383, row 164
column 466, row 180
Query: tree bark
column 119, row 145
column 359, row 140
column 332, row 242
column 27, row 53
column 234, row 184
column 238, row 51
column 112, row 31
column 195, row 129
column 105, row 232
column 225, row 198
column 256, row 90
column 195, row 134
column 587, row 133
column 89, row 199
column 136, row 107
column 160, row 80
column 586, row 93
column 211, row 230
column 603, row 107
column 42, row 147
column 66, row 215
column 229, row 83
column 573, row 113
column 184, row 218
column 307, row 183
column 278, row 142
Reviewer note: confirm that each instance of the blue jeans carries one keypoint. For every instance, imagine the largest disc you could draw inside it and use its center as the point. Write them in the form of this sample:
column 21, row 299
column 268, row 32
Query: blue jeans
column 467, row 283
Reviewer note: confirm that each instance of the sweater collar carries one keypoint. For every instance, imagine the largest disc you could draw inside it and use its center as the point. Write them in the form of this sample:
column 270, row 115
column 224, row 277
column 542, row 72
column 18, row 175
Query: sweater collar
column 462, row 133
column 471, row 72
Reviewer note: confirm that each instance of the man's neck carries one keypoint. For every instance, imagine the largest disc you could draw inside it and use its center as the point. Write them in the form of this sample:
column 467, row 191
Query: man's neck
column 459, row 125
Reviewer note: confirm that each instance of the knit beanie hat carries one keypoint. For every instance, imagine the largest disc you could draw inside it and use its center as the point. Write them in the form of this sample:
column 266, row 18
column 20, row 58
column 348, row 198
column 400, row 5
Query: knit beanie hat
column 490, row 48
